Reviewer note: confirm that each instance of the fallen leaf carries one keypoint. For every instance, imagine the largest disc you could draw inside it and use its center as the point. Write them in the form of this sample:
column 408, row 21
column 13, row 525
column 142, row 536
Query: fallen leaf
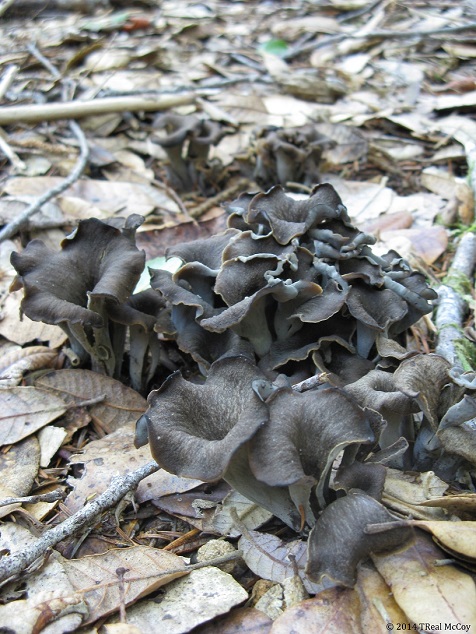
column 50, row 439
column 104, row 459
column 238, row 621
column 96, row 576
column 332, row 611
column 18, row 361
column 268, row 556
column 117, row 197
column 25, row 330
column 425, row 591
column 18, row 470
column 457, row 538
column 377, row 605
column 120, row 406
column 25, row 410
column 49, row 602
column 250, row 514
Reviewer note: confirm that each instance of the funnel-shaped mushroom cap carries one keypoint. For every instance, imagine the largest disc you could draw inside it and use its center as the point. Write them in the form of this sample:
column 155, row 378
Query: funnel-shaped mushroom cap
column 289, row 218
column 97, row 261
column 194, row 430
column 305, row 433
column 339, row 540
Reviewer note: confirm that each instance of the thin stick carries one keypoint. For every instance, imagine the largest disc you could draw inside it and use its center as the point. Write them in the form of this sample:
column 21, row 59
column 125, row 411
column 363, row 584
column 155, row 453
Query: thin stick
column 12, row 565
column 383, row 34
column 52, row 496
column 452, row 306
column 15, row 225
column 5, row 5
column 76, row 109
column 14, row 159
column 8, row 76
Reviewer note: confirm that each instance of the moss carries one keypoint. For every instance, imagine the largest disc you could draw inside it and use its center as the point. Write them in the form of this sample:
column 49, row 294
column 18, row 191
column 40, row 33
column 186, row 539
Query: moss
column 459, row 282
column 466, row 351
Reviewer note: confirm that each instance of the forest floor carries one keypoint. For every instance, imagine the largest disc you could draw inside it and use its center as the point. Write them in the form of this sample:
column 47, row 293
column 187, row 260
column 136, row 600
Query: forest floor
column 376, row 98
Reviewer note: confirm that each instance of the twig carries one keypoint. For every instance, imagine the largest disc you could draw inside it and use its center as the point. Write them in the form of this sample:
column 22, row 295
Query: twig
column 8, row 76
column 52, row 496
column 11, row 228
column 5, row 5
column 310, row 383
column 45, row 62
column 452, row 306
column 383, row 34
column 14, row 159
column 221, row 197
column 77, row 109
column 14, row 564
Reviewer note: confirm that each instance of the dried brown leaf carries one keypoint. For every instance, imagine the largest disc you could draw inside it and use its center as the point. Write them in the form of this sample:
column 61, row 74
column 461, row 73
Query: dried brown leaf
column 239, row 621
column 121, row 405
column 147, row 569
column 458, row 538
column 425, row 591
column 25, row 410
column 332, row 611
column 378, row 607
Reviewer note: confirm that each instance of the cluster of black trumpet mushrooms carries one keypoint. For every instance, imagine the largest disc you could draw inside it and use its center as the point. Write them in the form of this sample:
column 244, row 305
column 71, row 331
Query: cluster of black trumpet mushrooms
column 302, row 393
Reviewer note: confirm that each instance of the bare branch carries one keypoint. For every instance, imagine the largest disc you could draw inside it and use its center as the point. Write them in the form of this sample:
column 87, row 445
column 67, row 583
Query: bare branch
column 452, row 306
column 52, row 496
column 36, row 113
column 12, row 565
column 11, row 228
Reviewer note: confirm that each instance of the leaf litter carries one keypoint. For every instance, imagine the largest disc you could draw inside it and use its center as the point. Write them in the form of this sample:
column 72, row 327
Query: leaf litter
column 390, row 91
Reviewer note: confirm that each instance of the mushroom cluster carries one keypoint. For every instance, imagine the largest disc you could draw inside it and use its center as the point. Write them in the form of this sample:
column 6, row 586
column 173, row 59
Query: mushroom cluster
column 187, row 142
column 295, row 329
column 287, row 279
column 86, row 289
column 290, row 290
column 285, row 155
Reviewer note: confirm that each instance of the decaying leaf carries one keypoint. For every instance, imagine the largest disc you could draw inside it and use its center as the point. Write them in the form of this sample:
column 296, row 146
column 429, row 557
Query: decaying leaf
column 18, row 470
column 117, row 404
column 27, row 409
column 425, row 591
column 331, row 611
column 144, row 569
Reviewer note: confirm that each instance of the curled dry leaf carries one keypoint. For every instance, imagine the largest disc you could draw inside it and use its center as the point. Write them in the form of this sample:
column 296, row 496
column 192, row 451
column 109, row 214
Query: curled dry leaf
column 19, row 361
